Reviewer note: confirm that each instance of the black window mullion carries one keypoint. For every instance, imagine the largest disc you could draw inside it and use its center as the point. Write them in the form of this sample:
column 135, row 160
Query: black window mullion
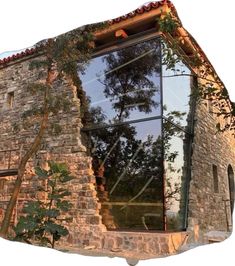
column 95, row 127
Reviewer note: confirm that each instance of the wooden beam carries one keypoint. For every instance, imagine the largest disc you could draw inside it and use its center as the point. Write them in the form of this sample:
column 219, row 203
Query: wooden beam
column 121, row 34
column 8, row 172
column 130, row 22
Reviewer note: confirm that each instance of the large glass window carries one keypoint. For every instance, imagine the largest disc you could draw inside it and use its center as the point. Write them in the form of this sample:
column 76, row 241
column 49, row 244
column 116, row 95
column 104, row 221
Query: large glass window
column 136, row 140
column 128, row 166
column 124, row 85
column 177, row 121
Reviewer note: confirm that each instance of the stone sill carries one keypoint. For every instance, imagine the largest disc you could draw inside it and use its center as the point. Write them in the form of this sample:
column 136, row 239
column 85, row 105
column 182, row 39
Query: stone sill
column 145, row 244
column 134, row 245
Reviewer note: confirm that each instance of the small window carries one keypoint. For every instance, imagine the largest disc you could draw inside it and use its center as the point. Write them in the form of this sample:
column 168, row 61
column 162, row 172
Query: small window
column 210, row 107
column 10, row 99
column 231, row 187
column 215, row 179
column 2, row 183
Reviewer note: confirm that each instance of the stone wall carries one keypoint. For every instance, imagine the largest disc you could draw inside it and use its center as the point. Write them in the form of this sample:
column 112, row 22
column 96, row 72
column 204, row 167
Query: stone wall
column 160, row 244
column 86, row 229
column 63, row 147
column 209, row 210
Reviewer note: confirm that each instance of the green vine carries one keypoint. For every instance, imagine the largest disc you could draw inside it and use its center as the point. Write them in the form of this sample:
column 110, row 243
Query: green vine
column 168, row 24
column 213, row 90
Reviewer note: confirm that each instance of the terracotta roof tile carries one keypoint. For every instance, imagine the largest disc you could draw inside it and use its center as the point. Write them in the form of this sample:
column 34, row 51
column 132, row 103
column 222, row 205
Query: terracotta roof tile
column 141, row 10
column 145, row 8
column 18, row 56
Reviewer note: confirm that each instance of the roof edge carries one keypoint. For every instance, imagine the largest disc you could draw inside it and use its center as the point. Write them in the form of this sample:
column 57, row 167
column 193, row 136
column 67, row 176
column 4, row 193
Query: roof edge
column 137, row 12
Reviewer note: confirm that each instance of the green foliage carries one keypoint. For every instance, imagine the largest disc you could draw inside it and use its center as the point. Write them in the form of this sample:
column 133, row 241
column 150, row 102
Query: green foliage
column 33, row 111
column 168, row 24
column 36, row 64
column 120, row 149
column 54, row 129
column 128, row 80
column 169, row 57
column 64, row 56
column 36, row 87
column 43, row 219
column 214, row 90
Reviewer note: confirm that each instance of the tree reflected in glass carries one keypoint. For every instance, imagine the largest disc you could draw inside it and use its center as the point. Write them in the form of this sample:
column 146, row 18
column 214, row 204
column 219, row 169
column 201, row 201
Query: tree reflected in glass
column 128, row 140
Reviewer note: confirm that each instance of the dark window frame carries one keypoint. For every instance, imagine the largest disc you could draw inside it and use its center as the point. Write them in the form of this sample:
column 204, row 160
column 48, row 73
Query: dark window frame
column 10, row 99
column 128, row 43
column 230, row 174
column 215, row 179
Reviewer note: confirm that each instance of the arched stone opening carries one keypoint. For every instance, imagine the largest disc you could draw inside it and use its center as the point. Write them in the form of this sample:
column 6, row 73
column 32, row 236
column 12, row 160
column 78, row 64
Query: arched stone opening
column 231, row 186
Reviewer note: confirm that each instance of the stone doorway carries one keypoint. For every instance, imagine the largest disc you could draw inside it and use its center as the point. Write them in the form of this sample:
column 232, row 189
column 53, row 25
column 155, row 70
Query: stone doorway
column 231, row 187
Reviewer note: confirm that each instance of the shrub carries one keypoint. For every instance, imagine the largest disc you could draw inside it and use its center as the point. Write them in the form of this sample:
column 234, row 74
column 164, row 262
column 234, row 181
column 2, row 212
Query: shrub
column 42, row 219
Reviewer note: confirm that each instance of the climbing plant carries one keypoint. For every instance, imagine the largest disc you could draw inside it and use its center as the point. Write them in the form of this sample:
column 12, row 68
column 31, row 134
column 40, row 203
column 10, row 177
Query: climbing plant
column 62, row 57
column 212, row 89
column 67, row 55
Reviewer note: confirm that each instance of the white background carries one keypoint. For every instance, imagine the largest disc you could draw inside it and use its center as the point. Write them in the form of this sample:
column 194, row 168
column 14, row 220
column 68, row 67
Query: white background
column 25, row 22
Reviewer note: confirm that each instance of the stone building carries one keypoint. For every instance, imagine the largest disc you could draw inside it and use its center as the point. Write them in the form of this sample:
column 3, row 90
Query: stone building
column 153, row 173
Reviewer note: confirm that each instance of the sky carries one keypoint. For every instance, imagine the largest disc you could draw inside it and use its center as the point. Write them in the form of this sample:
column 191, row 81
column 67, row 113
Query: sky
column 25, row 22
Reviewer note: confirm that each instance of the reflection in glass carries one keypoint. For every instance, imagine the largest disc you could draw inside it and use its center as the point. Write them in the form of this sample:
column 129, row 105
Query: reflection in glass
column 176, row 93
column 176, row 90
column 140, row 166
column 127, row 161
column 124, row 85
column 175, row 174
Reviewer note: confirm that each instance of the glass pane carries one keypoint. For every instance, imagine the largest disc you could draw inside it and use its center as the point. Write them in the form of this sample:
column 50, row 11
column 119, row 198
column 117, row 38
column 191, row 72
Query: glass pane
column 123, row 85
column 176, row 86
column 176, row 91
column 127, row 162
column 175, row 165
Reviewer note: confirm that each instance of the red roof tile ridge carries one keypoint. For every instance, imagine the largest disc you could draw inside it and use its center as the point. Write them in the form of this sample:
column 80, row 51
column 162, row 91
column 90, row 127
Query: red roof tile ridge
column 144, row 8
column 28, row 51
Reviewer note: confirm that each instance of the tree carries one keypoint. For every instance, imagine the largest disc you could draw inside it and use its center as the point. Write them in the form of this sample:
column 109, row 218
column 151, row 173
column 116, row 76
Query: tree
column 130, row 88
column 132, row 82
column 63, row 57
